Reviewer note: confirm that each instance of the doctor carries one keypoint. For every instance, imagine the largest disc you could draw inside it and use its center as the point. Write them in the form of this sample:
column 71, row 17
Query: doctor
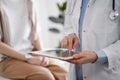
column 93, row 26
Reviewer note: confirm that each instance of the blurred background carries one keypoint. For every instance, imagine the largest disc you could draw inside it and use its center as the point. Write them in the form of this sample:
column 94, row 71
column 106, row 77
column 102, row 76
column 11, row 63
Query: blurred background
column 50, row 14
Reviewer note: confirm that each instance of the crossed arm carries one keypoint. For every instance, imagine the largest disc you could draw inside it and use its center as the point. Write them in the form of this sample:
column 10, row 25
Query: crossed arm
column 36, row 60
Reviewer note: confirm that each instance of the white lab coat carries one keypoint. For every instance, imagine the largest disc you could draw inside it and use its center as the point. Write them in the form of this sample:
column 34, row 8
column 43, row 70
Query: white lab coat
column 98, row 33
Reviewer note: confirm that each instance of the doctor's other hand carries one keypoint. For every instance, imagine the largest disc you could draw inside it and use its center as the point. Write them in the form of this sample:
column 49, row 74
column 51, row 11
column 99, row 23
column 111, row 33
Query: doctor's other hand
column 84, row 57
column 70, row 41
column 39, row 60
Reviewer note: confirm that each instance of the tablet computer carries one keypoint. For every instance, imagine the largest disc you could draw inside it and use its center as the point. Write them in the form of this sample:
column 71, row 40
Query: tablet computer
column 58, row 53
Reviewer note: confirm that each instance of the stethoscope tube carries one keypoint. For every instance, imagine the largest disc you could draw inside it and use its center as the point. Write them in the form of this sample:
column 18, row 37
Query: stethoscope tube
column 113, row 5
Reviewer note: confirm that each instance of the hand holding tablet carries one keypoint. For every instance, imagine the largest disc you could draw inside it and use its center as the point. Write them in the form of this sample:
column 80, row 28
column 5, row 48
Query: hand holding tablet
column 58, row 53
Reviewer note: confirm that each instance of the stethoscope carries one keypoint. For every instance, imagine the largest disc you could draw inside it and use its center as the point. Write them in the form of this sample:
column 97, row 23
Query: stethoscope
column 114, row 14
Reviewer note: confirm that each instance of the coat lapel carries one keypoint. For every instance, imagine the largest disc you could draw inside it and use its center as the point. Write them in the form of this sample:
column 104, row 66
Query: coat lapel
column 91, row 2
column 70, row 6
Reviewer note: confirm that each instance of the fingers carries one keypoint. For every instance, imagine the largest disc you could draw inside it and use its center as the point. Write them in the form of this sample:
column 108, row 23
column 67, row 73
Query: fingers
column 77, row 61
column 64, row 42
column 45, row 61
column 84, row 57
column 40, row 60
column 78, row 56
column 75, row 43
column 70, row 41
column 67, row 42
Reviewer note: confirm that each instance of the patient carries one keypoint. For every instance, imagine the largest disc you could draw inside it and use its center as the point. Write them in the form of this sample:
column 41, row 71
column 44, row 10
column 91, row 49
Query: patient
column 18, row 36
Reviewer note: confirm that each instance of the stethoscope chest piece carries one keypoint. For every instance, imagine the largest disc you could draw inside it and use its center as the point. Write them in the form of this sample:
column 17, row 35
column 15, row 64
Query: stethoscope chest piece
column 114, row 15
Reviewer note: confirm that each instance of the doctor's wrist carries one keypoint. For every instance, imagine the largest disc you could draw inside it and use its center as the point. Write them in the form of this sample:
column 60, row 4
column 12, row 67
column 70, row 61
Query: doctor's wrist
column 95, row 57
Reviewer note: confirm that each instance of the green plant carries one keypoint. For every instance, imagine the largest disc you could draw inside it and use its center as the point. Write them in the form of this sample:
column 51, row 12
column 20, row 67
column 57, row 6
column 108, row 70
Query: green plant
column 60, row 18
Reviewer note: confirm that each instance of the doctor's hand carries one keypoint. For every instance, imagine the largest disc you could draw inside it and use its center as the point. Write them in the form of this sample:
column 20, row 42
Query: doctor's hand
column 70, row 41
column 84, row 57
column 39, row 60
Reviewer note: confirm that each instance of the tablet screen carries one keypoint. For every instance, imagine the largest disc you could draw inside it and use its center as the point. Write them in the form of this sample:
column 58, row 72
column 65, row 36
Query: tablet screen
column 59, row 53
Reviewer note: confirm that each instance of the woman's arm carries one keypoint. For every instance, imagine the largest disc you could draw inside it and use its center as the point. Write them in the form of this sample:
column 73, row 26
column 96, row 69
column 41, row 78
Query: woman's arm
column 8, row 51
column 37, row 46
column 36, row 60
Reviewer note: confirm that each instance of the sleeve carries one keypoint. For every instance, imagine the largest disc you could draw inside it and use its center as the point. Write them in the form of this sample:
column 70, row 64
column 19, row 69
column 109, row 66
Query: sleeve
column 102, row 58
column 113, row 51
column 113, row 54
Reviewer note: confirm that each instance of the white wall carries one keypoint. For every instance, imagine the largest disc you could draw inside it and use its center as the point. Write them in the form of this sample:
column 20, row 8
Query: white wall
column 46, row 8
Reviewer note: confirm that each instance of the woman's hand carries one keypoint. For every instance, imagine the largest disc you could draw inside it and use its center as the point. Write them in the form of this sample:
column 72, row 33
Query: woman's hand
column 39, row 60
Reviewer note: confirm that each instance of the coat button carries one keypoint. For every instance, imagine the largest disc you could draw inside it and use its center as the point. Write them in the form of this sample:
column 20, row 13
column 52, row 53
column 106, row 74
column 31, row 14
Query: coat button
column 84, row 31
column 114, row 69
column 85, row 77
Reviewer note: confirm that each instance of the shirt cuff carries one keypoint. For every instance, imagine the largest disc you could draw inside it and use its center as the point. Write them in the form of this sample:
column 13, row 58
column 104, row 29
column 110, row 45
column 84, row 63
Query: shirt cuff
column 102, row 58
